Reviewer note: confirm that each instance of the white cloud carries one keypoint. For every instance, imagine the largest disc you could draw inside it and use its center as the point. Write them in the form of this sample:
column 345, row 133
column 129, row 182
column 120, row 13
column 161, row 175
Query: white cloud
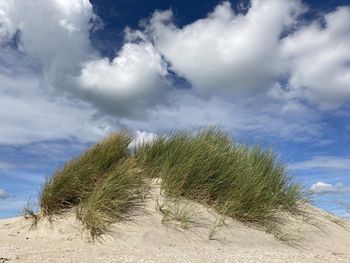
column 254, row 116
column 140, row 138
column 323, row 162
column 318, row 58
column 44, row 35
column 134, row 79
column 127, row 85
column 324, row 188
column 29, row 115
column 3, row 194
column 227, row 51
column 7, row 26
column 224, row 51
column 50, row 57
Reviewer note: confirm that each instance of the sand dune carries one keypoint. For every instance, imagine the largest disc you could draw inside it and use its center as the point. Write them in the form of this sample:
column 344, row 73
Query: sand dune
column 316, row 237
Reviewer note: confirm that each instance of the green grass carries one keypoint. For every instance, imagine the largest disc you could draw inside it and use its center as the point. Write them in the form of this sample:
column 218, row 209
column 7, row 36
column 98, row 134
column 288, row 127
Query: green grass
column 219, row 222
column 113, row 199
column 108, row 182
column 246, row 183
column 78, row 178
column 175, row 210
column 30, row 214
column 103, row 183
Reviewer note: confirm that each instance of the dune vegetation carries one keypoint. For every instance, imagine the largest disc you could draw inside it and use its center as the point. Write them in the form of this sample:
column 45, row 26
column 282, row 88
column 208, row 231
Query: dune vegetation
column 109, row 181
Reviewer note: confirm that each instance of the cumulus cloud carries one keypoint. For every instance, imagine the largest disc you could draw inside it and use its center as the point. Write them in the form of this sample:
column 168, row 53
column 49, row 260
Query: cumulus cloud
column 318, row 59
column 323, row 162
column 124, row 86
column 324, row 188
column 28, row 114
column 46, row 58
column 60, row 44
column 135, row 78
column 229, row 51
column 3, row 194
column 226, row 50
column 55, row 70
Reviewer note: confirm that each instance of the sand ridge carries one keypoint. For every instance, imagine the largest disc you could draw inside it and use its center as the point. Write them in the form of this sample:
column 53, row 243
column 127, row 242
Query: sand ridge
column 315, row 238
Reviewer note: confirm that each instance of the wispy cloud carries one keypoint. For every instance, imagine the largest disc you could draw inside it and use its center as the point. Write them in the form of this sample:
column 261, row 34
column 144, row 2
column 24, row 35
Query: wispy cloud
column 25, row 177
column 324, row 188
column 344, row 204
column 3, row 194
column 323, row 162
column 5, row 166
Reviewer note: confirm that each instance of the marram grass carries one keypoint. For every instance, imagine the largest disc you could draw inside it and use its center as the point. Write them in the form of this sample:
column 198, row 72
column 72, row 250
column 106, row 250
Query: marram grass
column 247, row 183
column 114, row 199
column 79, row 177
column 108, row 182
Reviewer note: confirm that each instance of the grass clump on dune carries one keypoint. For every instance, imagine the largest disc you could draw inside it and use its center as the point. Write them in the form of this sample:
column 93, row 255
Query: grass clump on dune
column 78, row 178
column 247, row 183
column 104, row 184
column 114, row 199
column 108, row 182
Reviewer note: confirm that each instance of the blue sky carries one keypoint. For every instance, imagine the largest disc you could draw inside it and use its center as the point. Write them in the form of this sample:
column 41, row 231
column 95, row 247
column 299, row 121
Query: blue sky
column 276, row 72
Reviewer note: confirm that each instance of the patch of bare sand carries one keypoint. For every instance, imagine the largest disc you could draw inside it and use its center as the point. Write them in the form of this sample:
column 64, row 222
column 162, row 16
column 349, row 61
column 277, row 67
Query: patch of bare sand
column 312, row 237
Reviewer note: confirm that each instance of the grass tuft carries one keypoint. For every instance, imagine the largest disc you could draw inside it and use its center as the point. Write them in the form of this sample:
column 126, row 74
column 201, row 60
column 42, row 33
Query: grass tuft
column 104, row 184
column 30, row 214
column 78, row 178
column 175, row 210
column 246, row 183
column 108, row 182
column 219, row 222
column 113, row 199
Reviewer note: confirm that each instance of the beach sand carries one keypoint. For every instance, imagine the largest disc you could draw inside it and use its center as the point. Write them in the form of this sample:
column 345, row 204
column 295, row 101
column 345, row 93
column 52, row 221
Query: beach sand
column 315, row 237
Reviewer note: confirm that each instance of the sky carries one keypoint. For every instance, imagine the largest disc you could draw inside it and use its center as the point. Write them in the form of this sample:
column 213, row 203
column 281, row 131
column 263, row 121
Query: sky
column 274, row 72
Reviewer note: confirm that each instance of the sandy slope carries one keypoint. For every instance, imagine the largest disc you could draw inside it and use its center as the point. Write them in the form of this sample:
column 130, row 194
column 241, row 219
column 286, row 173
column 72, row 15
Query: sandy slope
column 314, row 238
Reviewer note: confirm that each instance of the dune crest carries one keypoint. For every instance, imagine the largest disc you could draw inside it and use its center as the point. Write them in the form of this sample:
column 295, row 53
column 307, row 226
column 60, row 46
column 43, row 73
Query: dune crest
column 154, row 235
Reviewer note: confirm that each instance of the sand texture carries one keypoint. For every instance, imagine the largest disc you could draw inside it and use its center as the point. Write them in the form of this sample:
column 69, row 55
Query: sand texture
column 315, row 237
